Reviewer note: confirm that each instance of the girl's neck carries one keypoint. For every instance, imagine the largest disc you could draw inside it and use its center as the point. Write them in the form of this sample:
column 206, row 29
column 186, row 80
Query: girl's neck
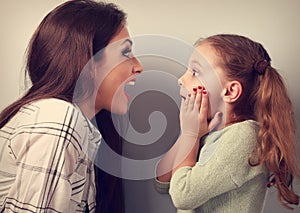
column 232, row 118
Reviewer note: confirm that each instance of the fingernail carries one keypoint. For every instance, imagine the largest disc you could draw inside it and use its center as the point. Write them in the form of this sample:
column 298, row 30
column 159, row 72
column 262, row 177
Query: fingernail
column 199, row 87
column 204, row 92
column 195, row 89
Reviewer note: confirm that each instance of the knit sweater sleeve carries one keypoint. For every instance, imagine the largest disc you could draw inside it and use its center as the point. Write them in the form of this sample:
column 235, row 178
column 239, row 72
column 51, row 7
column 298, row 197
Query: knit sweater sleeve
column 226, row 169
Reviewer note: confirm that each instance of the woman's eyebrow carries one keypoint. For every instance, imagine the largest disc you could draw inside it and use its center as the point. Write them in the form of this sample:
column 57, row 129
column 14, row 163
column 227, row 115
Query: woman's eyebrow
column 127, row 40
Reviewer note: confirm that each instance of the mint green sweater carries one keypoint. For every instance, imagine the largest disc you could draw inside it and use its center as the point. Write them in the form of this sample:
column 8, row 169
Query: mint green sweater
column 222, row 180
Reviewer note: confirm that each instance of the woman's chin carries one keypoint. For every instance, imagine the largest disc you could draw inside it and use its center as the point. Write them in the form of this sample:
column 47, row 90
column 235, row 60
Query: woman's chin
column 121, row 111
column 119, row 108
column 119, row 104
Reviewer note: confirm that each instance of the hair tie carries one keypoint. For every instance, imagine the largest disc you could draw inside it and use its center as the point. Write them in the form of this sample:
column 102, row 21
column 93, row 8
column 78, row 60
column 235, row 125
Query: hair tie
column 260, row 66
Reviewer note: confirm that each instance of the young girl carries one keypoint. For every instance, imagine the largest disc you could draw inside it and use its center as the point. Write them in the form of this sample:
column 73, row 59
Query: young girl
column 46, row 136
column 245, row 146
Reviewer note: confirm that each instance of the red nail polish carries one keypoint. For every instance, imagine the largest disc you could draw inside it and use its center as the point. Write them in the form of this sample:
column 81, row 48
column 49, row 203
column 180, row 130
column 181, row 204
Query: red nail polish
column 199, row 87
column 195, row 89
column 204, row 92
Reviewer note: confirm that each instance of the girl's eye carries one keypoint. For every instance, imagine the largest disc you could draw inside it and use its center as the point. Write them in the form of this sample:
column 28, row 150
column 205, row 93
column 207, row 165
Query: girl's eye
column 195, row 72
column 126, row 52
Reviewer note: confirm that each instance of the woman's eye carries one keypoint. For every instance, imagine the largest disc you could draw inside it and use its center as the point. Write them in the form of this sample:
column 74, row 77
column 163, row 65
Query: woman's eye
column 127, row 53
column 195, row 72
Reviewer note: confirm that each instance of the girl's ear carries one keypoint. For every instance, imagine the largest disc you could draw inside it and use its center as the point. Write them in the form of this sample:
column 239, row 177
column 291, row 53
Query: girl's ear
column 232, row 91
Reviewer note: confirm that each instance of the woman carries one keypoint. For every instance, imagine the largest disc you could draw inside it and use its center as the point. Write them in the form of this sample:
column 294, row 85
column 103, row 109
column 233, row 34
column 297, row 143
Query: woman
column 251, row 141
column 79, row 60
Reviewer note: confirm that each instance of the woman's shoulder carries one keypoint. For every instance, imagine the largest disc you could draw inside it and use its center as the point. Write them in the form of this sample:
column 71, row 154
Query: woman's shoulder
column 53, row 118
column 49, row 103
column 51, row 110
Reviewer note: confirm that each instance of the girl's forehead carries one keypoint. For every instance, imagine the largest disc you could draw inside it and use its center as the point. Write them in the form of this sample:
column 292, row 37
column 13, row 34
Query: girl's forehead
column 205, row 56
column 206, row 59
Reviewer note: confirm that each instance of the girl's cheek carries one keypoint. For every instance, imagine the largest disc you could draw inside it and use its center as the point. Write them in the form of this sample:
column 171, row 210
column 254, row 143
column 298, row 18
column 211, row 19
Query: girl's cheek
column 196, row 84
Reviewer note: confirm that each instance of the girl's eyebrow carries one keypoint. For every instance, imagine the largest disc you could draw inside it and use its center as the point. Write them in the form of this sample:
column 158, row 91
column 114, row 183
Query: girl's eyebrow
column 195, row 62
column 127, row 40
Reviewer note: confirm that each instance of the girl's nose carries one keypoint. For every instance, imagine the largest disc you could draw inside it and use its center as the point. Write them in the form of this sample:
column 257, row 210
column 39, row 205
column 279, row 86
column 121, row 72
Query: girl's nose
column 180, row 82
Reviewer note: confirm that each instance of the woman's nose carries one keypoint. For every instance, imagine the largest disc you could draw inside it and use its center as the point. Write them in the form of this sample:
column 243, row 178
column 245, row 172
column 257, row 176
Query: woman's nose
column 137, row 67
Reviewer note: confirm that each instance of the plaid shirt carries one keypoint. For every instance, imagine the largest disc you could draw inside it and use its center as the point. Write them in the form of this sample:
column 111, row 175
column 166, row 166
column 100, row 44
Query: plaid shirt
column 46, row 154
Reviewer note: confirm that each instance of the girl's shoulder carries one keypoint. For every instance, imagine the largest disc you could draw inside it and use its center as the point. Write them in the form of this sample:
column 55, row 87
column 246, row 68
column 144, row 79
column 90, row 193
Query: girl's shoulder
column 236, row 141
column 236, row 130
column 247, row 126
column 240, row 136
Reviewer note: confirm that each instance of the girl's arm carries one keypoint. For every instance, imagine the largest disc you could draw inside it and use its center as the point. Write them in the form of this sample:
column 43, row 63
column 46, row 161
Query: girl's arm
column 193, row 121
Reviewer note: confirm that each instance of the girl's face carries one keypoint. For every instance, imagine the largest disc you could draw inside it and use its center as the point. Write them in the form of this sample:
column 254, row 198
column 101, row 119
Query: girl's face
column 203, row 70
column 117, row 68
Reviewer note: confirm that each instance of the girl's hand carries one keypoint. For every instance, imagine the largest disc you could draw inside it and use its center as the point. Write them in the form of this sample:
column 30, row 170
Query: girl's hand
column 194, row 124
column 194, row 112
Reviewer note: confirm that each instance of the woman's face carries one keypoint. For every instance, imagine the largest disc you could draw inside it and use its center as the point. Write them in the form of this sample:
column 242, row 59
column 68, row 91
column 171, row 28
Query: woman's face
column 117, row 68
column 203, row 71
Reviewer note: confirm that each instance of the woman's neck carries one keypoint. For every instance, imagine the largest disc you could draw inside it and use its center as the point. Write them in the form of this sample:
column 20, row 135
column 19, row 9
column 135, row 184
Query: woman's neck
column 87, row 108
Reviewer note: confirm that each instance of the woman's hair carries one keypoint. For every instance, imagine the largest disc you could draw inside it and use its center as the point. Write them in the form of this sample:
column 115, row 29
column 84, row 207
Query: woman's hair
column 109, row 188
column 266, row 100
column 64, row 42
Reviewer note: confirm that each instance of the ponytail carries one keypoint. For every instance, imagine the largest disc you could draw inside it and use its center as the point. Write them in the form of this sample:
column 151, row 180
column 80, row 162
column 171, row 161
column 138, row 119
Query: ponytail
column 276, row 137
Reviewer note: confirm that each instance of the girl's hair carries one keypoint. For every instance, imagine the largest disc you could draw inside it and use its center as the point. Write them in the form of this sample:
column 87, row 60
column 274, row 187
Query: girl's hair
column 266, row 100
column 62, row 45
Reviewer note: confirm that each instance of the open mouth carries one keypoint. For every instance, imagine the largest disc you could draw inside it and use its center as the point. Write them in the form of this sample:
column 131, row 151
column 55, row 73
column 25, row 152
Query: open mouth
column 128, row 85
column 183, row 92
column 131, row 83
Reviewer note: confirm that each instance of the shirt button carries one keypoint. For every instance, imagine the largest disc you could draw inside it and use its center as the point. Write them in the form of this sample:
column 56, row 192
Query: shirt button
column 82, row 204
column 95, row 134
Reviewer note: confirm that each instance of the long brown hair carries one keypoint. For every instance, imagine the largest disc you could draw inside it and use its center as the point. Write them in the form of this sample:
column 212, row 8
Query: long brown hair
column 109, row 188
column 61, row 46
column 265, row 99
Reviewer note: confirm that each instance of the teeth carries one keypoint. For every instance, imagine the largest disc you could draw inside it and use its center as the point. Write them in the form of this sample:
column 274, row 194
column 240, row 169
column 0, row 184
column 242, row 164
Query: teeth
column 131, row 83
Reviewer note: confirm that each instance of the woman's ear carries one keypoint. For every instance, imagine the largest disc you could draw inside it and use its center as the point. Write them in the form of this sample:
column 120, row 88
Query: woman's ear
column 233, row 90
